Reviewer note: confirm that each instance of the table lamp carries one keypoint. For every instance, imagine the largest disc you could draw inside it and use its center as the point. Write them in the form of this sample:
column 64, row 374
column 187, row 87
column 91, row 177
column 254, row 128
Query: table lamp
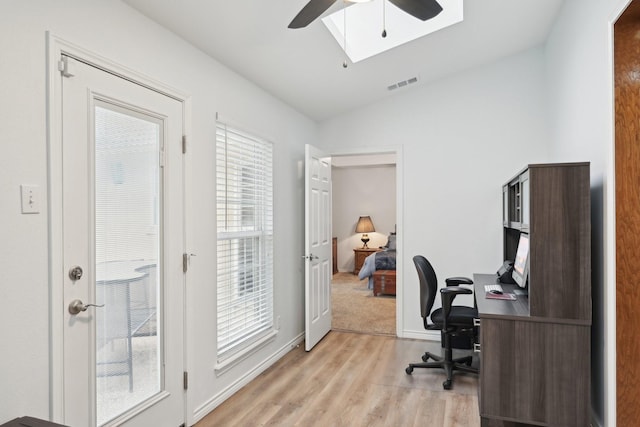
column 365, row 225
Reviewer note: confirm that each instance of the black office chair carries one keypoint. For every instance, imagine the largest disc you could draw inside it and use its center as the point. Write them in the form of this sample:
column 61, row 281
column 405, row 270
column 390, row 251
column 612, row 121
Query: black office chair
column 452, row 320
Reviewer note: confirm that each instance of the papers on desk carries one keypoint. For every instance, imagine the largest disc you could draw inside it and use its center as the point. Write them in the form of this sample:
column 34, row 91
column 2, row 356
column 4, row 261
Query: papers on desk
column 505, row 296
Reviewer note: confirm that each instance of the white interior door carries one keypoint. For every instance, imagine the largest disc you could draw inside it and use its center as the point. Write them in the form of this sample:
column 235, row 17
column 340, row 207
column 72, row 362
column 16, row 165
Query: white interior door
column 123, row 238
column 318, row 259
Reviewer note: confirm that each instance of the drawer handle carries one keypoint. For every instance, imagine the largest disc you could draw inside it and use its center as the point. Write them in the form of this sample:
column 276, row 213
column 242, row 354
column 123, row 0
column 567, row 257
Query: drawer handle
column 476, row 322
column 476, row 348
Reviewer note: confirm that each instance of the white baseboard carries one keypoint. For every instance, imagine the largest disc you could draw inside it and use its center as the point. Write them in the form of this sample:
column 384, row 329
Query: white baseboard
column 421, row 335
column 217, row 400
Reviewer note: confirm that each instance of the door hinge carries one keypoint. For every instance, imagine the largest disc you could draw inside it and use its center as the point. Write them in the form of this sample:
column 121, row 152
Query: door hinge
column 185, row 380
column 66, row 67
column 185, row 262
column 184, row 144
column 161, row 157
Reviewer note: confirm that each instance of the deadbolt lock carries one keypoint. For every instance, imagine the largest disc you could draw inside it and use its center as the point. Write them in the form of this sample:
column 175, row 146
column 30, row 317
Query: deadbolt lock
column 75, row 273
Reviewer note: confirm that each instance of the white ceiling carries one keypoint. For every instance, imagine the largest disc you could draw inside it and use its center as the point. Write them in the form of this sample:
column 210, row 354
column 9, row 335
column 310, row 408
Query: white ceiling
column 303, row 67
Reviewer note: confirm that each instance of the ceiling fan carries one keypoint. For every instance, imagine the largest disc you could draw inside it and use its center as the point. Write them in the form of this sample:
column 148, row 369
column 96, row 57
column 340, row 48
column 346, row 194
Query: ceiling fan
column 421, row 9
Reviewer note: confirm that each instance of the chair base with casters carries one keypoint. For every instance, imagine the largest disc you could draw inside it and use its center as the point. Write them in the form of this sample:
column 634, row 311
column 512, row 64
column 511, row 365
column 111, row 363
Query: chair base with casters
column 446, row 362
column 450, row 320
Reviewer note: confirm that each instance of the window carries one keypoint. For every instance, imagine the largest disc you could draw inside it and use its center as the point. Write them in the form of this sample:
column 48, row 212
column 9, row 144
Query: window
column 244, row 187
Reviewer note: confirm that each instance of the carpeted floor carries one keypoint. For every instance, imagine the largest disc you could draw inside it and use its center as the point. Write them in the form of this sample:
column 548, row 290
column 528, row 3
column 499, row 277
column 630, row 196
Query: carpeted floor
column 355, row 309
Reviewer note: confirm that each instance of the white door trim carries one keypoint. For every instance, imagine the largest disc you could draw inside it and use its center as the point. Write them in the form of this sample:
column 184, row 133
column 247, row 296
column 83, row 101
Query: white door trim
column 56, row 47
column 397, row 150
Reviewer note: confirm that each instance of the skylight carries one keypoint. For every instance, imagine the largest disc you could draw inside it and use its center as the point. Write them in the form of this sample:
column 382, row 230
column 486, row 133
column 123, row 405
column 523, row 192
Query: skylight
column 364, row 26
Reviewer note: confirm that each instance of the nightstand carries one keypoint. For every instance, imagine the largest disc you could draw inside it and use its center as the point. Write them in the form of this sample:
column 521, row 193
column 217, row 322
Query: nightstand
column 360, row 254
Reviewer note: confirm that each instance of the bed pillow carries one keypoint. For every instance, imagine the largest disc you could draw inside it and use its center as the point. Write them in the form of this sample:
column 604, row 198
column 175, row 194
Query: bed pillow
column 391, row 242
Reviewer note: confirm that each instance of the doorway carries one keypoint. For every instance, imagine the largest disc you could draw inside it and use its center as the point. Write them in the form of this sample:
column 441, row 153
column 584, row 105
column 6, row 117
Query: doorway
column 364, row 185
column 627, row 174
column 117, row 220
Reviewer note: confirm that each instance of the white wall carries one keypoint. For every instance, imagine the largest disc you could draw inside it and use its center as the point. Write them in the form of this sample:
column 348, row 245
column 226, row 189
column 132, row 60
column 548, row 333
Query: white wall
column 461, row 137
column 361, row 191
column 580, row 77
column 119, row 33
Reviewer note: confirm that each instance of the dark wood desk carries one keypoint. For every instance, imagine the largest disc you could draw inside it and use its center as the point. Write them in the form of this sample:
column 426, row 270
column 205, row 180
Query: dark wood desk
column 533, row 370
column 495, row 308
column 535, row 351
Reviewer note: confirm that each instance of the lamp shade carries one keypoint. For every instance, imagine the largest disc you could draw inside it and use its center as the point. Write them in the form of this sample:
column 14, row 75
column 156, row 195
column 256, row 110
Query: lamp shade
column 365, row 225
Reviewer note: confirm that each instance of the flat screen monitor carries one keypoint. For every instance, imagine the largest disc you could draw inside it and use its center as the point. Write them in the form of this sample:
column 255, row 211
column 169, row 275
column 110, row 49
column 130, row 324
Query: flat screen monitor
column 521, row 263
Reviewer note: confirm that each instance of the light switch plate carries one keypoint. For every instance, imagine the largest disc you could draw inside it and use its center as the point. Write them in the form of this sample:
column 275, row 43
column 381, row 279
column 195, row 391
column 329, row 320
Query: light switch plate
column 30, row 199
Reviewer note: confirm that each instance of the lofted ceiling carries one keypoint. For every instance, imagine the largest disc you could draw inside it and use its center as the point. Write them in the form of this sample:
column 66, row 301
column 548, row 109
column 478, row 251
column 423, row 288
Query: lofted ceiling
column 303, row 67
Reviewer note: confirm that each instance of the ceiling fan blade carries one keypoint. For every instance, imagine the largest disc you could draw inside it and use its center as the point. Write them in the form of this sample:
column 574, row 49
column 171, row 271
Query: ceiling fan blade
column 310, row 12
column 421, row 9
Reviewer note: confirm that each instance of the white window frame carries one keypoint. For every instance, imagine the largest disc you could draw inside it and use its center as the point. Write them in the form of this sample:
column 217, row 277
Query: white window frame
column 244, row 199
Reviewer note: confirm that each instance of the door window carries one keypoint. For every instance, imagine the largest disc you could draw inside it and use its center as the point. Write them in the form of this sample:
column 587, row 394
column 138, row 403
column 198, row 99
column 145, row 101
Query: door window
column 127, row 242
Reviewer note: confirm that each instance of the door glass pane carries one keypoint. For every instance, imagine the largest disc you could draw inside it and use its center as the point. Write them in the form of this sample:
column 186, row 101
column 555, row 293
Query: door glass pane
column 127, row 217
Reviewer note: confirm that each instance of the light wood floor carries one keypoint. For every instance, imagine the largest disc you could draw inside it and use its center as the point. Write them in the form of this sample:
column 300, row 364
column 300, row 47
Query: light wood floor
column 350, row 380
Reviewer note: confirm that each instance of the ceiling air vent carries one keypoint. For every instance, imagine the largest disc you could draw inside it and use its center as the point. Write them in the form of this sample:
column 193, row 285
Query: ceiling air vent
column 402, row 83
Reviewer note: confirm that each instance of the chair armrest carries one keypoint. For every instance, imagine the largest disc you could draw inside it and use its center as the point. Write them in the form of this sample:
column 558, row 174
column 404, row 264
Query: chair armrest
column 448, row 294
column 456, row 281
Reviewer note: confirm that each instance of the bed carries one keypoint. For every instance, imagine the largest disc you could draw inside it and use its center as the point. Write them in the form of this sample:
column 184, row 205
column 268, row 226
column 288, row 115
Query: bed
column 383, row 260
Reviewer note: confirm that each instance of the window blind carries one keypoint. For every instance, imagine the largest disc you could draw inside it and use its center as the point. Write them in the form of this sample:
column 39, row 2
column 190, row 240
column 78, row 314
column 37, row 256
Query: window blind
column 244, row 188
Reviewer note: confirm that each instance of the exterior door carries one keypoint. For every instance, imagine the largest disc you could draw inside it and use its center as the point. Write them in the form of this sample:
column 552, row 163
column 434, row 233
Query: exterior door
column 122, row 232
column 317, row 246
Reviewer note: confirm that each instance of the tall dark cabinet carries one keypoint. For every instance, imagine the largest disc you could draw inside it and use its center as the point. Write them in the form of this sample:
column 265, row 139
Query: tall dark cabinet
column 535, row 352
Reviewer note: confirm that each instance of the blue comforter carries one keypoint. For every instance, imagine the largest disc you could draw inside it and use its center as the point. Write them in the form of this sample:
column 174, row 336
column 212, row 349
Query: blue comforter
column 384, row 260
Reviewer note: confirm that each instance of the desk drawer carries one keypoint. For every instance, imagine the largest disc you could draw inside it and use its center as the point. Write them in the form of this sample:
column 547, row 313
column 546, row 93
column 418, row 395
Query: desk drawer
column 476, row 344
